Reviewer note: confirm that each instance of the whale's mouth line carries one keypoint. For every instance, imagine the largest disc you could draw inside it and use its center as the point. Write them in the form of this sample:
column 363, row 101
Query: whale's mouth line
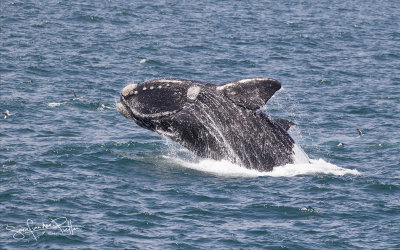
column 138, row 116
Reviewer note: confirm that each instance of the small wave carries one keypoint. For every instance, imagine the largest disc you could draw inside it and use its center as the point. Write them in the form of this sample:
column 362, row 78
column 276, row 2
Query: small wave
column 102, row 106
column 54, row 104
column 226, row 168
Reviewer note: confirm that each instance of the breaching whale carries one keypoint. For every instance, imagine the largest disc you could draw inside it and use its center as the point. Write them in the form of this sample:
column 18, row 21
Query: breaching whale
column 218, row 122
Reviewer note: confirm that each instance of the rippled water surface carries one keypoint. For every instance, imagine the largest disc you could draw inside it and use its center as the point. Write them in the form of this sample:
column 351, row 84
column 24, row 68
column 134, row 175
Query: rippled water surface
column 76, row 174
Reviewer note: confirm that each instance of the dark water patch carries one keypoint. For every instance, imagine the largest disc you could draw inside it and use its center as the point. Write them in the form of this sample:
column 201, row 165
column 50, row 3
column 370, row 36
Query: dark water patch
column 39, row 71
column 258, row 232
column 6, row 163
column 127, row 13
column 282, row 211
column 361, row 110
column 52, row 240
column 377, row 186
column 6, row 195
column 45, row 134
column 47, row 164
column 233, row 62
column 86, row 17
column 386, row 56
column 195, row 213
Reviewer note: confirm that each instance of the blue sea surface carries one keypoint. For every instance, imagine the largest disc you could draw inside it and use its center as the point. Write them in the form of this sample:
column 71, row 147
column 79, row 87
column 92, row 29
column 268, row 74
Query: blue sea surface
column 74, row 173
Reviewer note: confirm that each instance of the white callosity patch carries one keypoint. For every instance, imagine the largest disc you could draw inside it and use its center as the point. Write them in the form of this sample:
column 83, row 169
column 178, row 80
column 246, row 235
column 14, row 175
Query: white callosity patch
column 193, row 92
column 168, row 81
column 254, row 79
column 243, row 81
column 128, row 90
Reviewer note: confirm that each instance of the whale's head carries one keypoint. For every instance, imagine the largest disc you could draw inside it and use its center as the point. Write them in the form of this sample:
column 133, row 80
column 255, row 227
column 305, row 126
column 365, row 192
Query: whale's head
column 154, row 101
column 167, row 105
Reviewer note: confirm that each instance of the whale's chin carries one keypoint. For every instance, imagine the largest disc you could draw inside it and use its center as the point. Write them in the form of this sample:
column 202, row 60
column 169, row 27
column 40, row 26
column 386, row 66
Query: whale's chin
column 123, row 110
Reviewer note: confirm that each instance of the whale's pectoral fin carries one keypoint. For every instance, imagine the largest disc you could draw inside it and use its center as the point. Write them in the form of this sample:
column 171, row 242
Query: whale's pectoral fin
column 285, row 124
column 250, row 93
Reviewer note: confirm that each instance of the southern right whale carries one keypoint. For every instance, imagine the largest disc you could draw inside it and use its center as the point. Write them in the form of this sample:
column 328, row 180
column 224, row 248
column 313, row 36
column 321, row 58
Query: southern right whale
column 217, row 122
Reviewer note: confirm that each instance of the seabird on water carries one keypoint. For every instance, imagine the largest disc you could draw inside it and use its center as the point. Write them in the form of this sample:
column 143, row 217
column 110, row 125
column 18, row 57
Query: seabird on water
column 6, row 114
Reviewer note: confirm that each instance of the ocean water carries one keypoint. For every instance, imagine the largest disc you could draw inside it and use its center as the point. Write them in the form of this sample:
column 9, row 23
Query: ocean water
column 74, row 173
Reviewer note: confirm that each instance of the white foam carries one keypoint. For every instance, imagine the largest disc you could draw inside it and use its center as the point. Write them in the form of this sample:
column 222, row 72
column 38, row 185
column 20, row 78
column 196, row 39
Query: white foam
column 225, row 168
column 101, row 107
column 299, row 157
column 54, row 104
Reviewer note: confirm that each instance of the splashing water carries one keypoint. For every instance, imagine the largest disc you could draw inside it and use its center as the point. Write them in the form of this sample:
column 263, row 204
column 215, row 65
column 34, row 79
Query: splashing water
column 303, row 166
column 226, row 168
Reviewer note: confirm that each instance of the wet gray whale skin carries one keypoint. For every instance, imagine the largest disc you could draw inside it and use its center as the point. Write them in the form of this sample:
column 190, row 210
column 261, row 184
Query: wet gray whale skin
column 218, row 122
